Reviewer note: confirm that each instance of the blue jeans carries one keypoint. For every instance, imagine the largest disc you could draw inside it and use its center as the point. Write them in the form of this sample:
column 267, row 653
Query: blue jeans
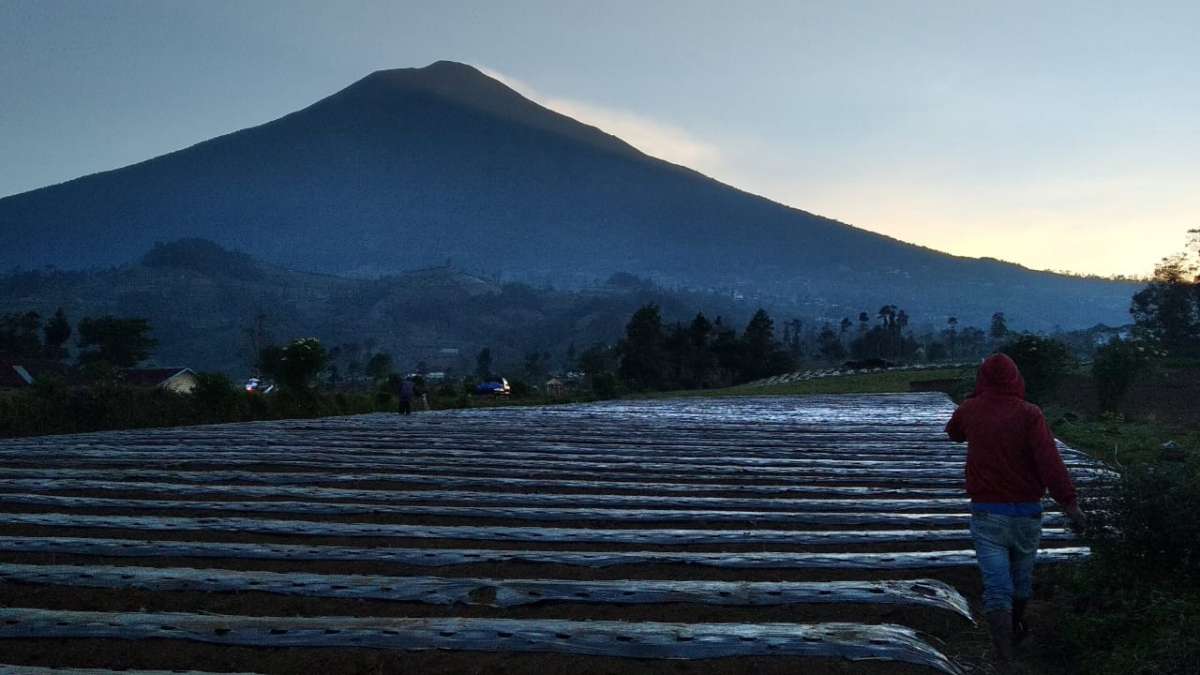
column 1005, row 548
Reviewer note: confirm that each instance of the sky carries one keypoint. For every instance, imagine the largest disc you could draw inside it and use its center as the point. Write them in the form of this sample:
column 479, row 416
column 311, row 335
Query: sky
column 1061, row 135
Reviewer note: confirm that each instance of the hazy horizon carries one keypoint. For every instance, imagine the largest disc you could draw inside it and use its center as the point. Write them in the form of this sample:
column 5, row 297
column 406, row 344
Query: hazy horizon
column 1058, row 138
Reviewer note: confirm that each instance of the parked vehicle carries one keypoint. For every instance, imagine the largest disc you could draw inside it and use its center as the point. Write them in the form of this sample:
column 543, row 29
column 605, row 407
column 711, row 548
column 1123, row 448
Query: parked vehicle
column 256, row 385
column 495, row 387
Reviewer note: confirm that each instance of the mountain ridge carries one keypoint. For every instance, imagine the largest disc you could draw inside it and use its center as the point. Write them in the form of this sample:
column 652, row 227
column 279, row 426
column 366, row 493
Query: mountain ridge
column 408, row 167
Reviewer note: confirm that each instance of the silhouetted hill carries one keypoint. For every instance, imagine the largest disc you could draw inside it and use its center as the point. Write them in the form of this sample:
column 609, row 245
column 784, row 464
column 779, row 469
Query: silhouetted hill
column 408, row 168
column 211, row 308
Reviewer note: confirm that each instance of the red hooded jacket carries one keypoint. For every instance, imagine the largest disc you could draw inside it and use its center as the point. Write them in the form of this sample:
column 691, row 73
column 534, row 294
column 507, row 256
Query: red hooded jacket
column 1011, row 456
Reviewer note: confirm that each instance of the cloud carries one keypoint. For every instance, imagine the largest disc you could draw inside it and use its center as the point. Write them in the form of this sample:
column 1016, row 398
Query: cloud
column 652, row 137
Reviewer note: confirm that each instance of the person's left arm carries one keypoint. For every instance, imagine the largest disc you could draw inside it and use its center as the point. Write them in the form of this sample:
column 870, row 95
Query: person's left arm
column 1053, row 471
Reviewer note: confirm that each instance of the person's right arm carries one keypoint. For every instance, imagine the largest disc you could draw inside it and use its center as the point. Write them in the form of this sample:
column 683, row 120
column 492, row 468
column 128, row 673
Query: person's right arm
column 954, row 428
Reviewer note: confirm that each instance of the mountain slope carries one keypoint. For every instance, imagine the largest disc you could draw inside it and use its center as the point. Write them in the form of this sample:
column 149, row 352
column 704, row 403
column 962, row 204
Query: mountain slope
column 409, row 167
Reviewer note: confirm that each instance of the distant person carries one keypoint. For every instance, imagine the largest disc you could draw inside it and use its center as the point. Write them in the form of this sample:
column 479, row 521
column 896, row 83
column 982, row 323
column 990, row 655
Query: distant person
column 1011, row 462
column 408, row 390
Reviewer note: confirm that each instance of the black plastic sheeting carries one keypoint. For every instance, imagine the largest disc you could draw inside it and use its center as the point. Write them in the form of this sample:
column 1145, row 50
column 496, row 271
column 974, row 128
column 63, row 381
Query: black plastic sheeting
column 494, row 592
column 809, row 475
column 443, row 557
column 918, row 411
column 811, row 465
column 612, row 449
column 600, row 638
column 742, row 422
column 933, row 503
column 660, row 463
column 135, row 476
column 6, row 669
column 499, row 513
column 949, row 457
column 599, row 470
column 812, row 476
column 667, row 537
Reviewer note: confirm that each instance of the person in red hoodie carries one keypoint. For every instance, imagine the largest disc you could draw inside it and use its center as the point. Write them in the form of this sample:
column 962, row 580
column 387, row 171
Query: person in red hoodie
column 1012, row 461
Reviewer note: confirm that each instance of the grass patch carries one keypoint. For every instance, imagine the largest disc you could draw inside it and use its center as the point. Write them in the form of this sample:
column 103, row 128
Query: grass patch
column 1117, row 440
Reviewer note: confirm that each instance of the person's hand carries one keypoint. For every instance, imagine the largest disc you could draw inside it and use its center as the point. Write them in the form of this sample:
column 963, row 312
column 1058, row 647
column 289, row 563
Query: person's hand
column 1078, row 520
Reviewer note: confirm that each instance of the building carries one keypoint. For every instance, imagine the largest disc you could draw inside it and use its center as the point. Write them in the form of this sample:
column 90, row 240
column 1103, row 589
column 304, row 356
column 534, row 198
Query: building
column 177, row 380
column 18, row 374
column 556, row 388
column 14, row 376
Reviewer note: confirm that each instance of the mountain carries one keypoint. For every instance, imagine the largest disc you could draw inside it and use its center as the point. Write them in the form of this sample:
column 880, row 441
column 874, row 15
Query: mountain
column 408, row 168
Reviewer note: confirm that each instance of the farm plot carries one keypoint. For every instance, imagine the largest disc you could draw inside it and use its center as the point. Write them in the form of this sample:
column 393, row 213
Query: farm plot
column 763, row 535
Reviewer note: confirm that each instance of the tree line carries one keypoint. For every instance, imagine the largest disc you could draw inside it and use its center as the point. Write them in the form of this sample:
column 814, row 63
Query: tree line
column 101, row 341
column 699, row 354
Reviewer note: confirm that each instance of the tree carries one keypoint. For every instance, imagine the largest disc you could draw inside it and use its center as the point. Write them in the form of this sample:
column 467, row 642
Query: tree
column 951, row 336
column 727, row 350
column 887, row 314
column 596, row 360
column 270, row 362
column 1167, row 310
column 19, row 335
column 1043, row 363
column 936, row 351
column 294, row 366
column 972, row 341
column 886, row 340
column 642, row 350
column 700, row 365
column 759, row 341
column 537, row 365
column 795, row 345
column 760, row 334
column 55, row 334
column 571, row 358
column 255, row 339
column 999, row 327
column 830, row 344
column 215, row 397
column 597, row 363
column 483, row 364
column 1115, row 366
column 762, row 355
column 379, row 366
column 700, row 330
column 122, row 343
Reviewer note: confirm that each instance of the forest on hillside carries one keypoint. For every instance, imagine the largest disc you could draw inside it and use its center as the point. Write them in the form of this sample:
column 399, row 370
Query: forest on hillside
column 213, row 309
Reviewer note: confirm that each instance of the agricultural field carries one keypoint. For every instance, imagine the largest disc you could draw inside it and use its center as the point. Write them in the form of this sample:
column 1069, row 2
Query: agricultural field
column 818, row 534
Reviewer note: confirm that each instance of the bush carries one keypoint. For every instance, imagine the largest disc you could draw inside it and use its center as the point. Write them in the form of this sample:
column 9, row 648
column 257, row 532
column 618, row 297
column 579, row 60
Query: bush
column 604, row 385
column 385, row 401
column 51, row 408
column 1114, row 368
column 215, row 398
column 1134, row 605
column 520, row 389
column 1043, row 363
column 1152, row 523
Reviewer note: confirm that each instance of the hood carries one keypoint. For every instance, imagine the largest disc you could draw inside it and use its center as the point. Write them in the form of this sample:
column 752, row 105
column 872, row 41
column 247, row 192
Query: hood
column 999, row 376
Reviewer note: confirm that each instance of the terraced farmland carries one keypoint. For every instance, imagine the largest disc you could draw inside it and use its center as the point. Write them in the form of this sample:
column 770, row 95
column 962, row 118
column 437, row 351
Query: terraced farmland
column 741, row 535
